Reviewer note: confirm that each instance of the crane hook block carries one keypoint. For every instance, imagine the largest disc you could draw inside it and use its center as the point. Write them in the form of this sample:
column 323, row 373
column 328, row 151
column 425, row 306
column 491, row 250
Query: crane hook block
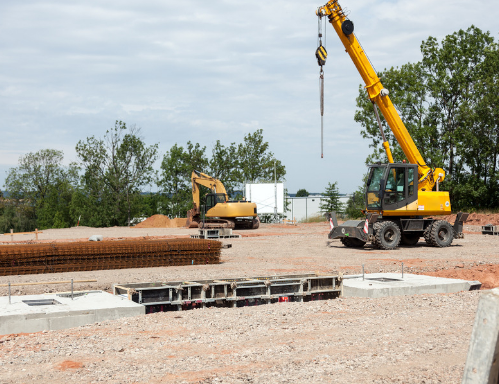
column 347, row 27
column 321, row 55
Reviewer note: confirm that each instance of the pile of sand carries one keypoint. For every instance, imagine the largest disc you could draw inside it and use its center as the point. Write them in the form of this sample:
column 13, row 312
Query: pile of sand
column 162, row 221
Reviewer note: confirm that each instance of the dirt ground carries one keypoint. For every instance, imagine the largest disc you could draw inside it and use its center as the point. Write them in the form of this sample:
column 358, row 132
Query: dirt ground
column 415, row 339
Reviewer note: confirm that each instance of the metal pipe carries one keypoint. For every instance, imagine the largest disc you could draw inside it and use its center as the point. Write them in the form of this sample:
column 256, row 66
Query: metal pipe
column 362, row 272
column 71, row 289
column 402, row 270
column 9, row 292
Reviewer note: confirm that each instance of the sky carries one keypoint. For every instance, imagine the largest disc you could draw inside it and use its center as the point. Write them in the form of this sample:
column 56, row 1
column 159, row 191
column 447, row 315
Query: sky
column 203, row 71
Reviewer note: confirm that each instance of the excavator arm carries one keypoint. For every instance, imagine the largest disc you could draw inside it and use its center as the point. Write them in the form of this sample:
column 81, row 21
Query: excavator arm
column 200, row 178
column 379, row 96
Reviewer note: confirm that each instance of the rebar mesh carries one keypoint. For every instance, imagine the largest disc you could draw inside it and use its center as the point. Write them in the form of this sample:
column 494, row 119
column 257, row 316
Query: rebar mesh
column 26, row 259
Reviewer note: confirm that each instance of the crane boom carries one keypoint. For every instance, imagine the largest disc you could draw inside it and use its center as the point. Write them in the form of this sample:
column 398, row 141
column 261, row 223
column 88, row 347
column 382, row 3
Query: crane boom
column 379, row 96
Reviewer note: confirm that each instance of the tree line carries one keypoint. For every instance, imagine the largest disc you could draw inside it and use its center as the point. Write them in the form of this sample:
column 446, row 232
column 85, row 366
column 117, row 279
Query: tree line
column 105, row 186
column 449, row 102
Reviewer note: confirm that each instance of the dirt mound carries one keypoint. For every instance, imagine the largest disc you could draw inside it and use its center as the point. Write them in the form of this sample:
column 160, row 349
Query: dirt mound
column 488, row 275
column 478, row 219
column 155, row 221
column 162, row 221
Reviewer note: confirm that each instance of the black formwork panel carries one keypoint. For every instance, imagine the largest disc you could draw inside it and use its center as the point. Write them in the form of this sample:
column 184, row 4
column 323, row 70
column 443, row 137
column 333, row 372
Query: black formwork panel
column 182, row 295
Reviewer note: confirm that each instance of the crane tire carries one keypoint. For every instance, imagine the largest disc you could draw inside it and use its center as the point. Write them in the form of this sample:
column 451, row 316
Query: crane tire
column 426, row 234
column 441, row 234
column 352, row 242
column 388, row 235
column 376, row 227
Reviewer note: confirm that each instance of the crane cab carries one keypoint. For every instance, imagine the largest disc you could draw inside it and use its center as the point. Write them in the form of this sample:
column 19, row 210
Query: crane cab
column 391, row 187
column 392, row 190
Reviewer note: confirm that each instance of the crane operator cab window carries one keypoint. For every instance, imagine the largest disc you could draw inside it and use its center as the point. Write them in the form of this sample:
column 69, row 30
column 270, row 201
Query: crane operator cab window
column 373, row 187
column 213, row 199
column 395, row 185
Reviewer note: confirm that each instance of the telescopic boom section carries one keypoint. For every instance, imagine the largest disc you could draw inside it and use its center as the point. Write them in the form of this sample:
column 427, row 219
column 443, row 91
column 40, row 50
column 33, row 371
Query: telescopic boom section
column 379, row 95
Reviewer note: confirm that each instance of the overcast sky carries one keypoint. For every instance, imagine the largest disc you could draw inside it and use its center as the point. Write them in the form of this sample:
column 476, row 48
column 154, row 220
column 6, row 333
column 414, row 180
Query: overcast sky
column 205, row 70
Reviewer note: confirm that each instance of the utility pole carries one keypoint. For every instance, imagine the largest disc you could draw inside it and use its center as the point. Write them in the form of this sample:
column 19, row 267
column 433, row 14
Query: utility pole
column 275, row 192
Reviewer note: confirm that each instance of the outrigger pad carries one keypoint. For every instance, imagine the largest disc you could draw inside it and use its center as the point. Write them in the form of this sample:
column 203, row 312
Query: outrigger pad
column 461, row 218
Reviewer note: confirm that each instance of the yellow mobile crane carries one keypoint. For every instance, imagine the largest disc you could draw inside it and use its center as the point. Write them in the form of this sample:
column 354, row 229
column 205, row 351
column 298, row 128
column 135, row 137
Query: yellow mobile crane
column 398, row 195
column 219, row 211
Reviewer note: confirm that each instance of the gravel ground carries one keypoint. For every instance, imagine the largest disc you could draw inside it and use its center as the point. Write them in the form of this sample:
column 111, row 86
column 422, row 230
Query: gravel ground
column 417, row 339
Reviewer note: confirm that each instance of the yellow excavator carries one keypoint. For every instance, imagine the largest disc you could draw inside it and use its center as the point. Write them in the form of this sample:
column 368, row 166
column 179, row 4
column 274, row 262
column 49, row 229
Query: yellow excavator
column 400, row 197
column 218, row 211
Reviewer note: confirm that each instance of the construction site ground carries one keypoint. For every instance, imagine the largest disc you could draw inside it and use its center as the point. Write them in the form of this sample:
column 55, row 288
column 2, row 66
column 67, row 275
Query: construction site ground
column 410, row 339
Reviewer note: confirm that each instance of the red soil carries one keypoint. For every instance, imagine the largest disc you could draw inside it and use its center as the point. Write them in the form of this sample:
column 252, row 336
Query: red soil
column 488, row 275
column 478, row 219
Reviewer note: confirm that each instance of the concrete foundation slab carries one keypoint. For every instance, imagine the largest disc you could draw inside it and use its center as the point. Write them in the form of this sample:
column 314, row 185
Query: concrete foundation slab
column 35, row 313
column 394, row 284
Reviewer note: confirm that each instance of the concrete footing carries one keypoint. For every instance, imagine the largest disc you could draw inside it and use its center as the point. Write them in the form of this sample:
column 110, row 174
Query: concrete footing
column 35, row 313
column 395, row 284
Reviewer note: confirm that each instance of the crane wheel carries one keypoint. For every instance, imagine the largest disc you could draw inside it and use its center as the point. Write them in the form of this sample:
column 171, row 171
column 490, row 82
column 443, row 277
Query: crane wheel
column 426, row 234
column 352, row 242
column 410, row 238
column 441, row 234
column 387, row 235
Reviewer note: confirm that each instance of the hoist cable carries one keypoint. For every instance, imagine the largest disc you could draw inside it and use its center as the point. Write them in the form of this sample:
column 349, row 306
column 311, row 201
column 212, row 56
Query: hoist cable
column 322, row 94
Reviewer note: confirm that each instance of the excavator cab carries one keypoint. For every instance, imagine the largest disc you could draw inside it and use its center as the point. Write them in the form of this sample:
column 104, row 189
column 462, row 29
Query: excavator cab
column 213, row 199
column 391, row 186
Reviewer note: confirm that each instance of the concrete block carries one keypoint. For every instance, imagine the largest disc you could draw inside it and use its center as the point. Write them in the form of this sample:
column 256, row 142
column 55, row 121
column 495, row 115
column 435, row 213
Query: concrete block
column 394, row 284
column 96, row 238
column 482, row 362
column 88, row 308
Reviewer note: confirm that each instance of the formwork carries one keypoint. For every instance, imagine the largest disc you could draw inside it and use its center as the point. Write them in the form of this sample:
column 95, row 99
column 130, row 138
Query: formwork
column 238, row 292
column 25, row 259
column 490, row 229
column 216, row 233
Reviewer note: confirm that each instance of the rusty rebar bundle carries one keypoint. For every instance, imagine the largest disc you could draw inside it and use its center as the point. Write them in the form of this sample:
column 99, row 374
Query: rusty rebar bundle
column 90, row 256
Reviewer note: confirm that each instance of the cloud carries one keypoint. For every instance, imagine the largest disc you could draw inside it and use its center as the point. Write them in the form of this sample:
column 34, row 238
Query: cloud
column 203, row 71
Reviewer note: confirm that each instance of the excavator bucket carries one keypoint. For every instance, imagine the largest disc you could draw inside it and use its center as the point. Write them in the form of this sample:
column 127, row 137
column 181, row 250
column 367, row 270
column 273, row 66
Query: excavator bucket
column 192, row 219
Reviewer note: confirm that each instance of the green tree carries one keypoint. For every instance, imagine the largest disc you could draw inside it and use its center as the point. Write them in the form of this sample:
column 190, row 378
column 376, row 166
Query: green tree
column 302, row 193
column 175, row 177
column 39, row 188
column 331, row 199
column 256, row 162
column 448, row 102
column 452, row 68
column 408, row 92
column 355, row 205
column 223, row 164
column 116, row 167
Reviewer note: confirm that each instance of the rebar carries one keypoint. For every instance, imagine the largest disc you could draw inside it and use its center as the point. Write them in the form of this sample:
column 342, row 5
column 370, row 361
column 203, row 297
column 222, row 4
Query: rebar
column 25, row 259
